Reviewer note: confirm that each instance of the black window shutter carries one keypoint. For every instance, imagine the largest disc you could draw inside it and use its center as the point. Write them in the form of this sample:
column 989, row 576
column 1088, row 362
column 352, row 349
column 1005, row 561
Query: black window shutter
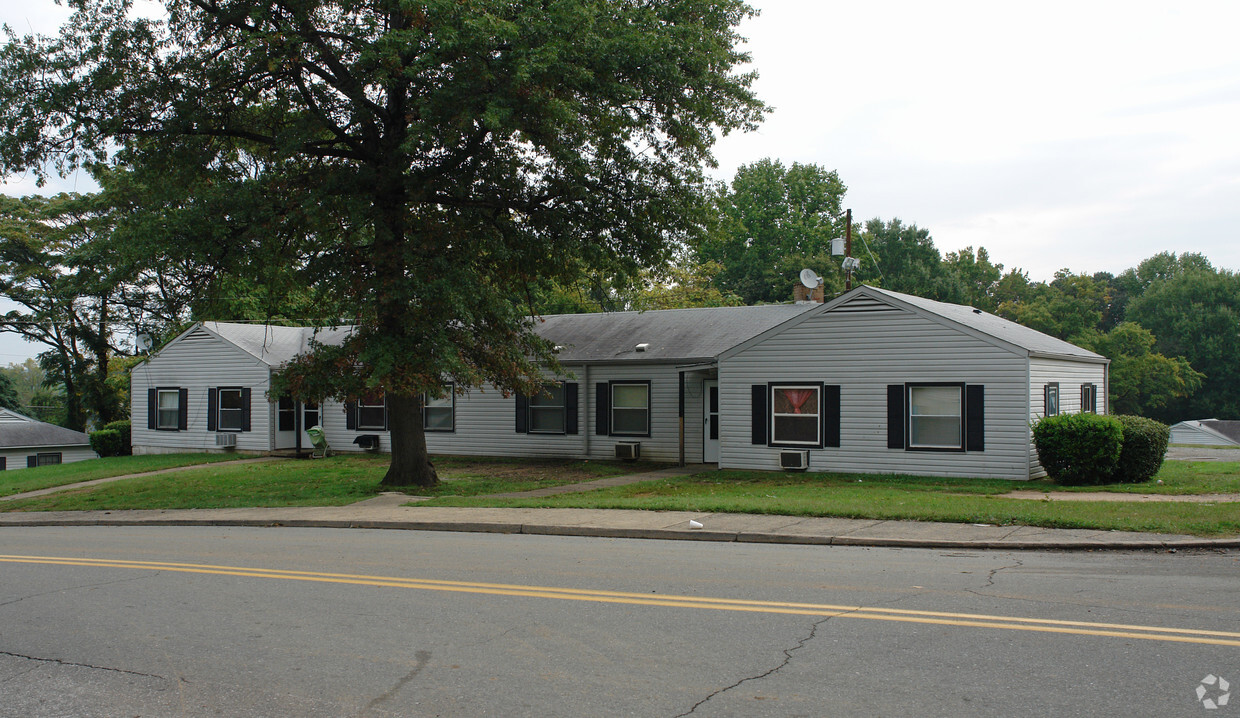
column 350, row 415
column 757, row 414
column 151, row 398
column 830, row 416
column 213, row 409
column 570, row 408
column 32, row 461
column 523, row 413
column 183, row 405
column 975, row 417
column 245, row 409
column 602, row 409
column 895, row 416
column 385, row 413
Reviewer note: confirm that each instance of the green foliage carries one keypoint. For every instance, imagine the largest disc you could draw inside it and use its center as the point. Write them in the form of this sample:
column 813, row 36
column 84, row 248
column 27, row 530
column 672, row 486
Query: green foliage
column 1079, row 448
column 774, row 221
column 1143, row 382
column 123, row 428
column 1145, row 446
column 1194, row 311
column 107, row 442
column 8, row 393
column 897, row 256
column 450, row 160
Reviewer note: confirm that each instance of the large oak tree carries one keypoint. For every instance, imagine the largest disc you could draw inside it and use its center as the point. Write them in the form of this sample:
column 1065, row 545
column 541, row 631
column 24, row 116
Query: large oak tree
column 439, row 156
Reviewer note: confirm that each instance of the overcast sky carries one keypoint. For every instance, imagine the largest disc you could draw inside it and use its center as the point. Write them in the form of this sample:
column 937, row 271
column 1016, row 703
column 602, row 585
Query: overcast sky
column 1085, row 135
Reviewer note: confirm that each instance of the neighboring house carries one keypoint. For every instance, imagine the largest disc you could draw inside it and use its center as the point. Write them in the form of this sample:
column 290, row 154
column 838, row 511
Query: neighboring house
column 872, row 381
column 26, row 442
column 1206, row 432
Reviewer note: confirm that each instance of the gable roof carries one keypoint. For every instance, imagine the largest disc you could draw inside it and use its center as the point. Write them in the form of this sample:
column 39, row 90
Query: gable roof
column 270, row 344
column 1228, row 431
column 671, row 335
column 19, row 431
column 975, row 320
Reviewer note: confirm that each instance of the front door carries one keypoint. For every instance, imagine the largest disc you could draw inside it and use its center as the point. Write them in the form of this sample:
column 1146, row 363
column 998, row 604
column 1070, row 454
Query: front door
column 710, row 423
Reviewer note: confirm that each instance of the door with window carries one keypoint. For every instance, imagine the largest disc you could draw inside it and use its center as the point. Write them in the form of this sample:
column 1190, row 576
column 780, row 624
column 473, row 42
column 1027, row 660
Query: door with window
column 286, row 422
column 710, row 422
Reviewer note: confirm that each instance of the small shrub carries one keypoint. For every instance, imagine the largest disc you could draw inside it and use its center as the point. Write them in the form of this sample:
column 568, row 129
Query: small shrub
column 1145, row 446
column 1079, row 448
column 126, row 433
column 106, row 442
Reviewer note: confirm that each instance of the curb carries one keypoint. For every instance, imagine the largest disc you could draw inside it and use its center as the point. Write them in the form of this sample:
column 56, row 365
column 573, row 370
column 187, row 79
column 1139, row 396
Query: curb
column 655, row 534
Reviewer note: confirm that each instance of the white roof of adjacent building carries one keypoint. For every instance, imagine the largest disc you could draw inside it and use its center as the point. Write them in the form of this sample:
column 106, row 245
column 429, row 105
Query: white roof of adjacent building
column 18, row 431
column 1226, row 433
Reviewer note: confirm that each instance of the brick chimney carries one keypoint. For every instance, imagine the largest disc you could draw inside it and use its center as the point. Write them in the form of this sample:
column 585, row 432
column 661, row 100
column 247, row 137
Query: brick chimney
column 802, row 294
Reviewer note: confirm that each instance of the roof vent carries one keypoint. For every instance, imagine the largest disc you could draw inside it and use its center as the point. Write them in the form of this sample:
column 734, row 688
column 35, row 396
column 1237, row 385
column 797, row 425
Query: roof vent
column 642, row 347
column 977, row 311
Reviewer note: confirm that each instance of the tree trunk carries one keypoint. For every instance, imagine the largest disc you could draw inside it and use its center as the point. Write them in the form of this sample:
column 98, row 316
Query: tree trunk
column 411, row 465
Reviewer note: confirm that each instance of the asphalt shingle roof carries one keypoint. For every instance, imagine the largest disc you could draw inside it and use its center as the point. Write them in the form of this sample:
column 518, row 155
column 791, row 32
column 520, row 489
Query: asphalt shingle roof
column 18, row 431
column 670, row 334
column 997, row 327
column 275, row 345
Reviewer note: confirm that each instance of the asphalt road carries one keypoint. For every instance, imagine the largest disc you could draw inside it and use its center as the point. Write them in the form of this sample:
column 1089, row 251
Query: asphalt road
column 166, row 621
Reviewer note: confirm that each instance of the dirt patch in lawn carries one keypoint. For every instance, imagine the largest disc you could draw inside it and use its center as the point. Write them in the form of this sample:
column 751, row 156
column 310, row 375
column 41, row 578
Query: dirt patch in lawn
column 569, row 471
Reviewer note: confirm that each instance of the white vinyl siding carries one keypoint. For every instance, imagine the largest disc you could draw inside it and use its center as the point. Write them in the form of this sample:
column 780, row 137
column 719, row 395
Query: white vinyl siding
column 16, row 457
column 1069, row 374
column 864, row 349
column 197, row 362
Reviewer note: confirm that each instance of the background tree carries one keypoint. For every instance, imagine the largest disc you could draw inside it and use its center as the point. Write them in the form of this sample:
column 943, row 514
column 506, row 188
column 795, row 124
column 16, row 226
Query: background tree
column 440, row 159
column 772, row 222
column 897, row 256
column 1144, row 382
column 8, row 394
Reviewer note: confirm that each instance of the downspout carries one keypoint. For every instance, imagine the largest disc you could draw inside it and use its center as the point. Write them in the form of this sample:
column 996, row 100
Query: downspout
column 682, row 417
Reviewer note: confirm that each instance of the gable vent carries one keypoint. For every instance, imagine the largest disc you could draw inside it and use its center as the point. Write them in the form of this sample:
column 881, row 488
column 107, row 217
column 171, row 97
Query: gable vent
column 866, row 305
column 197, row 335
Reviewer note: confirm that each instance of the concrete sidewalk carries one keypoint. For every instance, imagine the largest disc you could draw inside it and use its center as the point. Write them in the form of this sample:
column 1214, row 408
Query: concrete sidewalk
column 387, row 512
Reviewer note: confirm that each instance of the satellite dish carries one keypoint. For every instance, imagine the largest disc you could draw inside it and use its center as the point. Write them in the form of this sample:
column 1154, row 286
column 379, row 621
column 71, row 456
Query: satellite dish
column 809, row 278
column 144, row 342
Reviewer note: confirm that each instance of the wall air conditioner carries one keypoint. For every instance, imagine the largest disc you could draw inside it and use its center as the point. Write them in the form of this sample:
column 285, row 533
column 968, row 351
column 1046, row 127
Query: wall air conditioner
column 629, row 450
column 797, row 460
column 225, row 439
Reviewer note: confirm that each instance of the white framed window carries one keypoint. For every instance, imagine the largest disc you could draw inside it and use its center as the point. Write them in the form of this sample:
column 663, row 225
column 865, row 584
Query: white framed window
column 935, row 416
column 168, row 409
column 796, row 416
column 231, row 409
column 630, row 409
column 1089, row 398
column 372, row 413
column 309, row 415
column 547, row 410
column 1050, row 399
column 286, row 414
column 440, row 414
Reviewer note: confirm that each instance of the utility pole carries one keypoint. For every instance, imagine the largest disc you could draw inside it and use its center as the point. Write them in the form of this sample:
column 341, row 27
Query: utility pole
column 848, row 249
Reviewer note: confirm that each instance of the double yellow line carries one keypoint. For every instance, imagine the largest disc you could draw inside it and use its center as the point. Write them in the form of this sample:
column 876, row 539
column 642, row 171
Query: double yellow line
column 1014, row 623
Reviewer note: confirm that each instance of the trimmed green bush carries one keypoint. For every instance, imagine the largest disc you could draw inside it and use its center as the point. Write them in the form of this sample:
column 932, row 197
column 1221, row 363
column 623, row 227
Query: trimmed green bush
column 106, row 442
column 1145, row 446
column 123, row 427
column 1079, row 449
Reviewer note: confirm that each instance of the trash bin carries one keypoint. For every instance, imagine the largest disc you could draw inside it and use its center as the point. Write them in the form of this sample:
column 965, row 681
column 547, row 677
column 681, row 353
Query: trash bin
column 321, row 449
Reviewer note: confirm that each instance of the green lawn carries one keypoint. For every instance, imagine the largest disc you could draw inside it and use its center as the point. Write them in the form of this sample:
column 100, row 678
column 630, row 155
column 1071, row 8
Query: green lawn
column 342, row 479
column 913, row 498
column 346, row 479
column 43, row 477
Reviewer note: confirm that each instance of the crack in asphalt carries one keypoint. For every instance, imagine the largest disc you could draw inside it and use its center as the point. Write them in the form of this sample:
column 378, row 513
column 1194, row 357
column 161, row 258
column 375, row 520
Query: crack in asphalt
column 423, row 657
column 140, row 577
column 813, row 632
column 990, row 578
column 59, row 662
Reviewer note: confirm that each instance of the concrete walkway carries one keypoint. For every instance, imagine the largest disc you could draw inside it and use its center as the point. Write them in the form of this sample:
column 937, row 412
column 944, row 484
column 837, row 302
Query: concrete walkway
column 399, row 511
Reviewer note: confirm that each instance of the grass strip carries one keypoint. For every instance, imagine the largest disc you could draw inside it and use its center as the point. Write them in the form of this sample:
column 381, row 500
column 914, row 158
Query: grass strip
column 885, row 498
column 44, row 477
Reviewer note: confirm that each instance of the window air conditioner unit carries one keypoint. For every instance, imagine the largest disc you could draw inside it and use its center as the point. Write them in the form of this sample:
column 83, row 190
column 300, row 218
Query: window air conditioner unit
column 225, row 439
column 629, row 450
column 794, row 460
